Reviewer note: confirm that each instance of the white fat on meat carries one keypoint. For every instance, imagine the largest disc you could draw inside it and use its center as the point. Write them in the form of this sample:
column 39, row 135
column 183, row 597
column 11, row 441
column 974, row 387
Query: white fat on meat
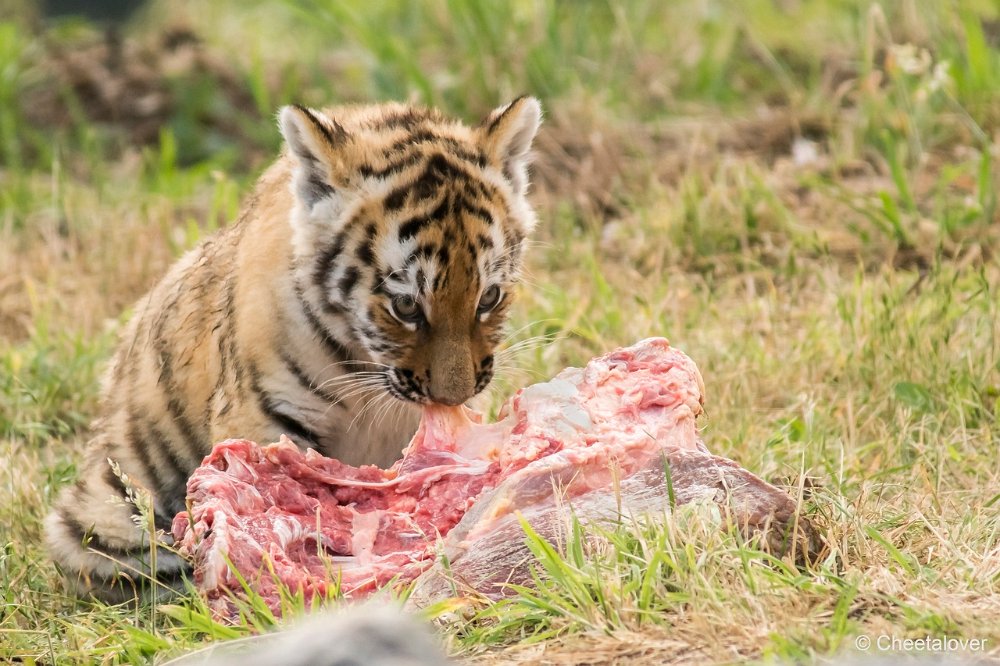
column 579, row 431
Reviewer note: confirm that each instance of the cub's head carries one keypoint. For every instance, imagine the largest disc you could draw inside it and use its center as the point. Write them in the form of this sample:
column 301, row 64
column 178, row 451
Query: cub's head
column 408, row 231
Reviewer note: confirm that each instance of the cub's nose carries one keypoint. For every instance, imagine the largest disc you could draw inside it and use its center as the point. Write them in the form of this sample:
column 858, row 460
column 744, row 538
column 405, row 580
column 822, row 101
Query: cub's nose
column 451, row 388
column 483, row 375
column 452, row 375
column 459, row 392
column 450, row 400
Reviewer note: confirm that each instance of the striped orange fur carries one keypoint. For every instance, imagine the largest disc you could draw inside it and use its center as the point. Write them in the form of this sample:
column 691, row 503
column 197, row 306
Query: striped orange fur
column 370, row 271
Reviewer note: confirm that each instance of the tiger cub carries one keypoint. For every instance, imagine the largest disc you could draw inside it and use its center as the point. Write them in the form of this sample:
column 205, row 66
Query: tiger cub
column 370, row 272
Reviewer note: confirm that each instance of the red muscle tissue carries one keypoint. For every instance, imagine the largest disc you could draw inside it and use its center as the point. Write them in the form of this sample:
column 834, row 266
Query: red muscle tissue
column 596, row 439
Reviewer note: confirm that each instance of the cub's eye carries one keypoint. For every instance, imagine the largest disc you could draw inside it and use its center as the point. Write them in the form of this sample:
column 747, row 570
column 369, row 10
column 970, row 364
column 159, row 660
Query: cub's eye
column 406, row 309
column 490, row 299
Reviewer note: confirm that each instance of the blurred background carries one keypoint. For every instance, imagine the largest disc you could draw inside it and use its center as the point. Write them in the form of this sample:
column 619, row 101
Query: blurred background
column 888, row 110
column 800, row 194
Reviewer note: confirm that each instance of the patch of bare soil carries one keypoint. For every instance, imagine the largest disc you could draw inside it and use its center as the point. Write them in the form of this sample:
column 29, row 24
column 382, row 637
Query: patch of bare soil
column 603, row 168
column 136, row 86
column 591, row 161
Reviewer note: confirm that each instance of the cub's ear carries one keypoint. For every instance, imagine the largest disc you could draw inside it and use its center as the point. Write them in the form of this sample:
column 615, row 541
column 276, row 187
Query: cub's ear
column 507, row 133
column 313, row 139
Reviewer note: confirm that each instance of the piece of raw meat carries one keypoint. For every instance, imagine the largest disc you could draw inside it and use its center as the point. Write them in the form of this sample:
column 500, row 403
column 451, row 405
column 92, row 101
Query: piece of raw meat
column 599, row 440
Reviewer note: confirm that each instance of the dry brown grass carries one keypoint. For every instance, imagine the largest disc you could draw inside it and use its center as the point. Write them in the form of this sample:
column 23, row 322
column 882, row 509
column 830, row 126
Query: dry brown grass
column 848, row 336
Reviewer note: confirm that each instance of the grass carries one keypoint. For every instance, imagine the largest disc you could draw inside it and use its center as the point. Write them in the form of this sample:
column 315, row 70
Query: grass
column 802, row 196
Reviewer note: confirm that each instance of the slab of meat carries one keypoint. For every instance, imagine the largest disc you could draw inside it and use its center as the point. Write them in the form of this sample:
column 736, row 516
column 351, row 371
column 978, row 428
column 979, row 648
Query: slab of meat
column 601, row 439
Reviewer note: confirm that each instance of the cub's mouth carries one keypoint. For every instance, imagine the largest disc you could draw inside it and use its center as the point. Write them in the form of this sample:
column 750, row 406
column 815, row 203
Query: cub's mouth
column 409, row 386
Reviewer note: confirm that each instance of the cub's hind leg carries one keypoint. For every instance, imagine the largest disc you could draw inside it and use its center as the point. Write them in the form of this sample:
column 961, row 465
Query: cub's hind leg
column 102, row 542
